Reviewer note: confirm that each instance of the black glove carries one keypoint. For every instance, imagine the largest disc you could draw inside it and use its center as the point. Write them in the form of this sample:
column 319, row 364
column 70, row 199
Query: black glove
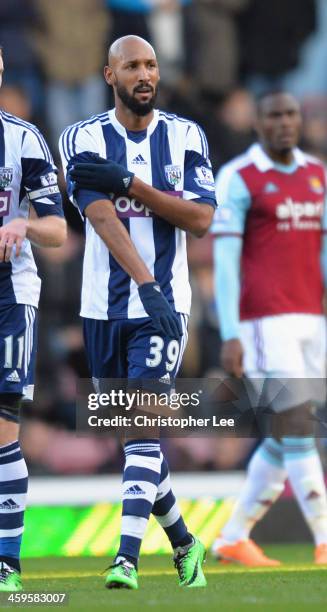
column 102, row 175
column 161, row 313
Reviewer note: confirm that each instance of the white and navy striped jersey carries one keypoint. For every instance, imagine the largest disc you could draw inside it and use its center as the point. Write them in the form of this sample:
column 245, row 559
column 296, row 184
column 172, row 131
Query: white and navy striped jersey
column 172, row 156
column 27, row 176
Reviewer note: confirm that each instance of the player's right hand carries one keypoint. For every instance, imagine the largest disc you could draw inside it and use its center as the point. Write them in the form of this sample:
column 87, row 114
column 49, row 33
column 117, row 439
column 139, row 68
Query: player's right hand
column 13, row 233
column 160, row 311
column 232, row 357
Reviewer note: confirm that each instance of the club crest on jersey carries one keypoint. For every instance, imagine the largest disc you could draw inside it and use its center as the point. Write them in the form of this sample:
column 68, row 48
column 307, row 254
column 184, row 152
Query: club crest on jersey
column 204, row 178
column 316, row 185
column 6, row 175
column 173, row 174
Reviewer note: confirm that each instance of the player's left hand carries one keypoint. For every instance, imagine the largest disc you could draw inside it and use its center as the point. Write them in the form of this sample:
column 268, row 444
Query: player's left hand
column 160, row 311
column 13, row 233
column 102, row 175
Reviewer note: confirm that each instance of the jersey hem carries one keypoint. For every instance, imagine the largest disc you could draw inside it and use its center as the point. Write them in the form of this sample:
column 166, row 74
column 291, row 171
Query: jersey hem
column 251, row 317
column 19, row 303
column 121, row 316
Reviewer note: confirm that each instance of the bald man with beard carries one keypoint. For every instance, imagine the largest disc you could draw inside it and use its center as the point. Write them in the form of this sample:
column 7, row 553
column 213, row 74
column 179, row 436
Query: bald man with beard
column 141, row 179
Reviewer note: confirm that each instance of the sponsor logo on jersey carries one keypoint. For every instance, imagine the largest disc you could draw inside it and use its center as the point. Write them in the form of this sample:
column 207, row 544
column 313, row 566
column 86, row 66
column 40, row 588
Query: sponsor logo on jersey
column 316, row 185
column 204, row 178
column 173, row 174
column 4, row 203
column 48, row 179
column 129, row 207
column 299, row 215
column 6, row 175
column 139, row 160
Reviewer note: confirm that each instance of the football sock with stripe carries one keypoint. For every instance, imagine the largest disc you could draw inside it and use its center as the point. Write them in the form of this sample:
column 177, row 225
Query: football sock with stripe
column 264, row 483
column 305, row 474
column 166, row 511
column 13, row 491
column 140, row 485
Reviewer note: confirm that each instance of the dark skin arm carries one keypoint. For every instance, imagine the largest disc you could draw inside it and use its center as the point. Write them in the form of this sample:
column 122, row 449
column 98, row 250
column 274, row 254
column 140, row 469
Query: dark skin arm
column 232, row 357
column 102, row 216
column 190, row 216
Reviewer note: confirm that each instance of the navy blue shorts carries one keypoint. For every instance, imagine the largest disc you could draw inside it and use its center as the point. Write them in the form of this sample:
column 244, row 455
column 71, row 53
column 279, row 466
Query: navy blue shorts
column 17, row 349
column 132, row 350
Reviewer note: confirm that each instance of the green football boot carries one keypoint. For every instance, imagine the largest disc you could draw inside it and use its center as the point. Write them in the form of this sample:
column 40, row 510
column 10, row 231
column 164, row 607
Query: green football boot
column 123, row 575
column 9, row 579
column 188, row 561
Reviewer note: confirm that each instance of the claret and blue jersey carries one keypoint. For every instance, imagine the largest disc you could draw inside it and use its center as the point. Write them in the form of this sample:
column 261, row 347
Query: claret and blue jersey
column 280, row 214
column 172, row 156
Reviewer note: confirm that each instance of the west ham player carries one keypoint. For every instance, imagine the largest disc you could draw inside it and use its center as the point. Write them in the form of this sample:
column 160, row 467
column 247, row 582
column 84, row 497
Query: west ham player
column 141, row 178
column 30, row 211
column 270, row 287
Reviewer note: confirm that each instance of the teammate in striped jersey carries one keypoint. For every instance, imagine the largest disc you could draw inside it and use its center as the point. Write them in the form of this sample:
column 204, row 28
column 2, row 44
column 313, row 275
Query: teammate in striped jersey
column 141, row 178
column 30, row 211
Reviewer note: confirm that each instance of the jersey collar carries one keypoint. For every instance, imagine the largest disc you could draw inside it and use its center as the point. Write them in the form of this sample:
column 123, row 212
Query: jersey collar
column 122, row 130
column 263, row 161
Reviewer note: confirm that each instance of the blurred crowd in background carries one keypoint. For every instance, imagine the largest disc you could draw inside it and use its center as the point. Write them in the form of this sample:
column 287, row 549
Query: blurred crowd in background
column 215, row 57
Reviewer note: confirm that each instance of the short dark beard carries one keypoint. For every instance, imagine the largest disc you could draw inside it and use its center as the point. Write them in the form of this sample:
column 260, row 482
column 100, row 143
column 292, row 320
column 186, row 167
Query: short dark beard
column 286, row 151
column 138, row 108
column 280, row 156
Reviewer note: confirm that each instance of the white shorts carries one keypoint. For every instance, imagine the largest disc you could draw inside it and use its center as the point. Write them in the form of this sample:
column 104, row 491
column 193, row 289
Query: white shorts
column 285, row 347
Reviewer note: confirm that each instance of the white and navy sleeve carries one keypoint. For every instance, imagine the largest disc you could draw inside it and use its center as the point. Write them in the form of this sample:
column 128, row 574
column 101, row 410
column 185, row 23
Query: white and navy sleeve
column 78, row 145
column 39, row 175
column 198, row 179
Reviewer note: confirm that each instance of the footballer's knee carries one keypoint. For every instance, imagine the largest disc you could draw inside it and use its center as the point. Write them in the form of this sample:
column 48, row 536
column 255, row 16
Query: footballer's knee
column 9, row 417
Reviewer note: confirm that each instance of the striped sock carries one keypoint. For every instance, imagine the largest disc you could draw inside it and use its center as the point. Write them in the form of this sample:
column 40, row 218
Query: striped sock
column 140, row 482
column 166, row 511
column 13, row 490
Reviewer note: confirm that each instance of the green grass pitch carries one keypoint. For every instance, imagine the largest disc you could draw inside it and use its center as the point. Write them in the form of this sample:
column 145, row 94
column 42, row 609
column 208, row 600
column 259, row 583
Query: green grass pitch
column 297, row 585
